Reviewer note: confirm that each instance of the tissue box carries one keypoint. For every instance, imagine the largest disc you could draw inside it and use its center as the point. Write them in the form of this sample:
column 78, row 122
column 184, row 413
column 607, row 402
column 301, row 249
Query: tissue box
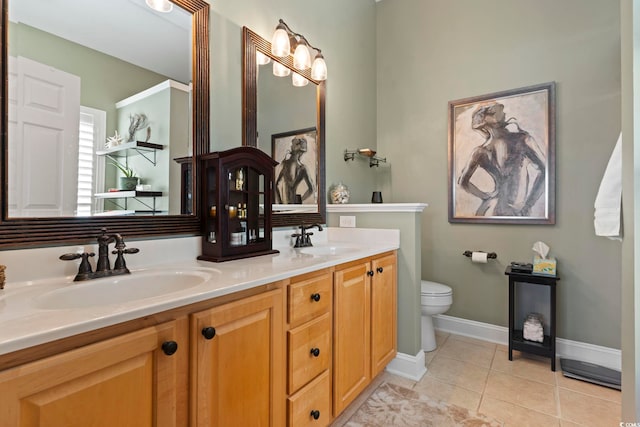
column 544, row 266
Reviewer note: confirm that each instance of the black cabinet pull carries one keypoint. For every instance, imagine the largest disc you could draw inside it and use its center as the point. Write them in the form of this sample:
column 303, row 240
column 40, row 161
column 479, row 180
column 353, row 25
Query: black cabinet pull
column 315, row 297
column 315, row 414
column 379, row 269
column 370, row 273
column 169, row 347
column 315, row 351
column 209, row 332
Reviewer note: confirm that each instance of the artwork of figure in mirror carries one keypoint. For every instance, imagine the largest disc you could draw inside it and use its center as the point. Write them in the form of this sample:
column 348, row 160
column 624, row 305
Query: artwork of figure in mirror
column 297, row 171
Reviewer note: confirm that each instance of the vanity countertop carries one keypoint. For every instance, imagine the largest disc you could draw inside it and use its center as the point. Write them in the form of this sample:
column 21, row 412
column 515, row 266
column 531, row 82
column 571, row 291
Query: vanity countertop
column 26, row 321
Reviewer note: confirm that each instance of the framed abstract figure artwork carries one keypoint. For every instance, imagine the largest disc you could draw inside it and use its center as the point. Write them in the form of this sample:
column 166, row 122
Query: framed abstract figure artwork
column 502, row 157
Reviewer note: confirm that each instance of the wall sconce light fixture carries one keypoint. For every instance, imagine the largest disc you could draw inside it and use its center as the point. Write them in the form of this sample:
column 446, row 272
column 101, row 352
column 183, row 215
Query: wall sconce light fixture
column 365, row 152
column 164, row 6
column 262, row 59
column 298, row 80
column 285, row 41
column 280, row 70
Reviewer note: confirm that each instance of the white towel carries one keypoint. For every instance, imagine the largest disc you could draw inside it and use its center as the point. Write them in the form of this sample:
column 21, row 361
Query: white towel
column 609, row 198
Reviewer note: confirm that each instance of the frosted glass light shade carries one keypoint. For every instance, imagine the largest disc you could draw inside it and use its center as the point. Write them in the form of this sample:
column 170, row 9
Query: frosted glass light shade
column 280, row 70
column 319, row 68
column 163, row 6
column 301, row 56
column 262, row 59
column 298, row 80
column 280, row 45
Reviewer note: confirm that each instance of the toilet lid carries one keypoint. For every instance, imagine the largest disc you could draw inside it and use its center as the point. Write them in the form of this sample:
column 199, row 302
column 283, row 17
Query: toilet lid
column 433, row 288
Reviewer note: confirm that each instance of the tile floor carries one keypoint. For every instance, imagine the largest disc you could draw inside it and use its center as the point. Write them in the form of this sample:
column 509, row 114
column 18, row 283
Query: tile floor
column 478, row 375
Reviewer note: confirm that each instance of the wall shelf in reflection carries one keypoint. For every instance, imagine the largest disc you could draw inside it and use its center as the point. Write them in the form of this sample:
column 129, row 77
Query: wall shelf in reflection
column 368, row 153
column 145, row 149
column 137, row 195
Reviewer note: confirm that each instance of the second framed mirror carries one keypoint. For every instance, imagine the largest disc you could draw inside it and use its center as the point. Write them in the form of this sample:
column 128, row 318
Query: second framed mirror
column 288, row 123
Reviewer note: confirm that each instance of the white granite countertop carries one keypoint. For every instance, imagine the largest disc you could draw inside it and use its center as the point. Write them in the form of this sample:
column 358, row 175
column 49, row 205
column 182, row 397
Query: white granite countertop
column 31, row 313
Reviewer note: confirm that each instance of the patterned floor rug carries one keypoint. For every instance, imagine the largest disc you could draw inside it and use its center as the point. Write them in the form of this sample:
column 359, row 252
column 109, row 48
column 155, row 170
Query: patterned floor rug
column 391, row 405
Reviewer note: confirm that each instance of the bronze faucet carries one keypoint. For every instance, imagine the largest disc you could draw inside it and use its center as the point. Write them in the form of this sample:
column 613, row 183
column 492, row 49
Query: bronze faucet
column 103, row 267
column 303, row 239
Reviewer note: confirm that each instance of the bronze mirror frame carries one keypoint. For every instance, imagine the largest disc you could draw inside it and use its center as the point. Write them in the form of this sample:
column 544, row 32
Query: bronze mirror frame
column 252, row 43
column 31, row 232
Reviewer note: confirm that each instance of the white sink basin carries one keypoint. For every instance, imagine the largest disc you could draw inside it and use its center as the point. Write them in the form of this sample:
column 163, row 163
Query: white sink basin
column 327, row 250
column 121, row 289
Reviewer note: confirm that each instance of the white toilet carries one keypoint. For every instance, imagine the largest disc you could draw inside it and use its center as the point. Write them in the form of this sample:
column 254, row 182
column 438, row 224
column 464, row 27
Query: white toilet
column 435, row 298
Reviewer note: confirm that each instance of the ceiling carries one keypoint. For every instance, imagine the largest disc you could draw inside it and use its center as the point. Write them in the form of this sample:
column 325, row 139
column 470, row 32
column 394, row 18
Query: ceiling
column 126, row 29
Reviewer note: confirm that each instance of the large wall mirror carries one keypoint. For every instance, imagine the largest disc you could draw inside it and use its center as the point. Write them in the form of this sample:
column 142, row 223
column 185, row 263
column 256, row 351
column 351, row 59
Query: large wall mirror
column 288, row 123
column 95, row 91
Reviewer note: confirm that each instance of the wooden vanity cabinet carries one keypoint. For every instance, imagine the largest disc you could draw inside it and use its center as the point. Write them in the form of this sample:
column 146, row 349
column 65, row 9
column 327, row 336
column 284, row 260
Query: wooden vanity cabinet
column 133, row 380
column 237, row 365
column 292, row 353
column 309, row 349
column 365, row 315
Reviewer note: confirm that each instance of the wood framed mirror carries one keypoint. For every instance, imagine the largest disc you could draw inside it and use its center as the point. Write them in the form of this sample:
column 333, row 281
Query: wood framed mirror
column 282, row 130
column 29, row 230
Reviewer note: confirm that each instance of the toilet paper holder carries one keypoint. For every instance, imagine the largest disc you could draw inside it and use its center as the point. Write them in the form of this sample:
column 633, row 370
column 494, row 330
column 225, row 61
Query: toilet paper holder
column 490, row 255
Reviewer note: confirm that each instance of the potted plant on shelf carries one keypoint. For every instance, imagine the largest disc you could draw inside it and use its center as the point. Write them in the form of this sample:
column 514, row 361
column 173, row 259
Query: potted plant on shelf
column 129, row 181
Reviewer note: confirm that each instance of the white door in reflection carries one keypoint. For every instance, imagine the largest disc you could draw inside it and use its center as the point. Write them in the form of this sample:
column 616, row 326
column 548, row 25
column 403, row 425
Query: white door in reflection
column 44, row 111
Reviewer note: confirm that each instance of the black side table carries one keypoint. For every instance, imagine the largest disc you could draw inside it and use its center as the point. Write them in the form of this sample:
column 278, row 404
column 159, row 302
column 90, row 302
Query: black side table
column 547, row 347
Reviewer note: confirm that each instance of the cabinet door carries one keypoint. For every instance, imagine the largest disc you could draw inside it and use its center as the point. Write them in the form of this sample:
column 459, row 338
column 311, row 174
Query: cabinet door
column 125, row 381
column 383, row 312
column 351, row 371
column 238, row 372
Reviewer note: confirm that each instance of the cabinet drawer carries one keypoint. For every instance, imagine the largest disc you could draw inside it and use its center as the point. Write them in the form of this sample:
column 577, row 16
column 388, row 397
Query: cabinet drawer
column 312, row 400
column 309, row 351
column 308, row 298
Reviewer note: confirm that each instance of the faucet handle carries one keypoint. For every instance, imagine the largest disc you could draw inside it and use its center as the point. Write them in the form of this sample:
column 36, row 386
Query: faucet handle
column 298, row 243
column 125, row 251
column 84, row 270
column 120, row 266
column 76, row 255
column 70, row 257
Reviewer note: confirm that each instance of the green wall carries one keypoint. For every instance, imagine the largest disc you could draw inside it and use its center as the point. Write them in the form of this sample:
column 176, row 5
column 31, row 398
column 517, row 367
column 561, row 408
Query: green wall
column 431, row 52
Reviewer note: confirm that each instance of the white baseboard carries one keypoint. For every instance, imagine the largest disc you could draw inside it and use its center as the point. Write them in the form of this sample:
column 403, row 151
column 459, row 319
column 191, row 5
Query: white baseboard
column 405, row 365
column 603, row 356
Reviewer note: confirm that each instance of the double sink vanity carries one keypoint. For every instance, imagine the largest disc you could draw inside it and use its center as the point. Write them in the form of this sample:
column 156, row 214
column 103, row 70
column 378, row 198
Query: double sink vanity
column 290, row 338
column 284, row 339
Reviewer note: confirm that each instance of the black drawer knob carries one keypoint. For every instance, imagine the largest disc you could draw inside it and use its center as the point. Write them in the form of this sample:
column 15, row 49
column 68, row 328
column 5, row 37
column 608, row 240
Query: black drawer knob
column 209, row 332
column 169, row 347
column 370, row 272
column 315, row 414
column 315, row 351
column 315, row 297
column 379, row 269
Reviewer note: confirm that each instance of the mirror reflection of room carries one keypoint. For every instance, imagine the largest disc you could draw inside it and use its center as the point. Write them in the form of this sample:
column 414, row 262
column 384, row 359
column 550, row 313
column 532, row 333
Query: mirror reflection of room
column 77, row 127
column 289, row 131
